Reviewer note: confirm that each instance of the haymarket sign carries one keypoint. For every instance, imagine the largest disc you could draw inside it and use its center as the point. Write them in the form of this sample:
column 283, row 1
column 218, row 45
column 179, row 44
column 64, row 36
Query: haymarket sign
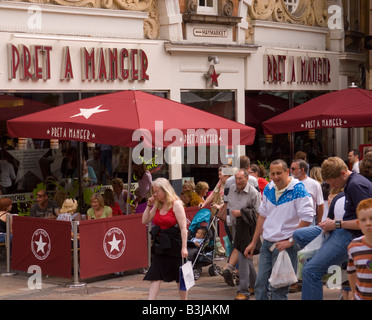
column 108, row 64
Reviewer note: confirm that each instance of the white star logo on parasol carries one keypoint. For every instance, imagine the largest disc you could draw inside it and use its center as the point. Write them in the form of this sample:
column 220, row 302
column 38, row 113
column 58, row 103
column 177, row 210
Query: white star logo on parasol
column 87, row 113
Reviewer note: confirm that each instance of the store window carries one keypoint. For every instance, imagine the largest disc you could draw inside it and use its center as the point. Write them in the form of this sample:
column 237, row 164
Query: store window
column 263, row 105
column 207, row 7
column 221, row 103
column 54, row 163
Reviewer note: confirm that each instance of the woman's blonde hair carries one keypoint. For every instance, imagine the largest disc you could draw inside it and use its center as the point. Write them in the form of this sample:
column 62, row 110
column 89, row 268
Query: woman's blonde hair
column 170, row 194
column 316, row 174
column 69, row 206
column 99, row 197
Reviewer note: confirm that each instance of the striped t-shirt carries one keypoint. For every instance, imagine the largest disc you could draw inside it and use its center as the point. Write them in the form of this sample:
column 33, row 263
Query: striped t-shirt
column 360, row 261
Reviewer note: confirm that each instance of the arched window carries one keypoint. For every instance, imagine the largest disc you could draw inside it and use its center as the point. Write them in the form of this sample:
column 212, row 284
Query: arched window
column 292, row 5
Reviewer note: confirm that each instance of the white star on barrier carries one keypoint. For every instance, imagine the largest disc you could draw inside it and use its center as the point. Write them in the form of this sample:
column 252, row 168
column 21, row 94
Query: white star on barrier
column 114, row 244
column 40, row 245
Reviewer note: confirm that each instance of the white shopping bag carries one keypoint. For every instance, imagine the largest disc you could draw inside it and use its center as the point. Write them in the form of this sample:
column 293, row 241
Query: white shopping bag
column 186, row 276
column 306, row 254
column 282, row 274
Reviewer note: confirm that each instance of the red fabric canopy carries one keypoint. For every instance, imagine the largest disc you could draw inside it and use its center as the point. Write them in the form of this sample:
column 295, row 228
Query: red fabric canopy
column 346, row 108
column 263, row 106
column 13, row 107
column 113, row 118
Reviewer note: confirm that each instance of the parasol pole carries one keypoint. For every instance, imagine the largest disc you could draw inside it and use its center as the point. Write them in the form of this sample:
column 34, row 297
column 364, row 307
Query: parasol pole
column 129, row 179
column 80, row 170
column 291, row 134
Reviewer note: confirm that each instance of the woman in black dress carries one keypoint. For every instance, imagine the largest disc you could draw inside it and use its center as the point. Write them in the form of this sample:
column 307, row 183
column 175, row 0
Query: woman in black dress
column 169, row 232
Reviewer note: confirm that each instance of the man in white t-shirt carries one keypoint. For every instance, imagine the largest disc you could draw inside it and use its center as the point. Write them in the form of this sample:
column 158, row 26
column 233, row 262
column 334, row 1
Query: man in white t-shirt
column 353, row 158
column 298, row 169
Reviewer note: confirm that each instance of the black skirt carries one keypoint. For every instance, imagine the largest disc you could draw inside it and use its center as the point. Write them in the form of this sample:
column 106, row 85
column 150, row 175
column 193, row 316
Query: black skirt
column 164, row 267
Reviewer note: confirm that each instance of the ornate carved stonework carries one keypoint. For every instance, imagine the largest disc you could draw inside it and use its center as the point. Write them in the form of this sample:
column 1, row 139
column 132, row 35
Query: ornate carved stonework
column 151, row 26
column 309, row 12
column 225, row 7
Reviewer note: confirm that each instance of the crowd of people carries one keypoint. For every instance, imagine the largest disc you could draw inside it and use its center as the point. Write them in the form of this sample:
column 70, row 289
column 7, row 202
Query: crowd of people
column 287, row 213
column 262, row 214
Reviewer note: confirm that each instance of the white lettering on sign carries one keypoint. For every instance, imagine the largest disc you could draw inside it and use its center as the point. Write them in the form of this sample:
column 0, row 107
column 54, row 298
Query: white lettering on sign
column 206, row 32
column 70, row 133
column 323, row 123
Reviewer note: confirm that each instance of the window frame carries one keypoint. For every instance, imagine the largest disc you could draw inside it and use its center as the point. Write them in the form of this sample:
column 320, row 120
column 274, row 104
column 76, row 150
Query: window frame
column 208, row 10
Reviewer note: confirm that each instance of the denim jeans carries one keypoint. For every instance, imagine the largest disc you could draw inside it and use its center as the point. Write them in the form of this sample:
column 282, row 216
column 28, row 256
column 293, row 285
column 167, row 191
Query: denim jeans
column 332, row 252
column 263, row 289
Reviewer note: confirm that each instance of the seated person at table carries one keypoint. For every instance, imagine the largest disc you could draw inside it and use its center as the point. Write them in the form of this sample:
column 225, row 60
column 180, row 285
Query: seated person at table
column 68, row 211
column 121, row 195
column 108, row 196
column 44, row 207
column 98, row 209
column 5, row 208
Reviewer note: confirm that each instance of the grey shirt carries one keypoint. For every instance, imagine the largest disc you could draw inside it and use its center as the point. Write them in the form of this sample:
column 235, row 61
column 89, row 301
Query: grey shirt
column 49, row 211
column 238, row 200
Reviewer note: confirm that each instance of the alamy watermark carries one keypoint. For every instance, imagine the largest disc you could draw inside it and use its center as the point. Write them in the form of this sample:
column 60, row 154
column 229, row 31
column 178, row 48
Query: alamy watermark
column 35, row 281
column 34, row 21
column 213, row 146
column 335, row 17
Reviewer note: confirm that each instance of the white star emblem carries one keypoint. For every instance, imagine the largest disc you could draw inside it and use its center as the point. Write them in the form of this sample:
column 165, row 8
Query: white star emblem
column 40, row 245
column 114, row 244
column 29, row 163
column 87, row 113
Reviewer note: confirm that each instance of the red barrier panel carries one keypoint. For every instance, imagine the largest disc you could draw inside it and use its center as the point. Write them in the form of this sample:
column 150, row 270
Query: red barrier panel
column 190, row 213
column 112, row 245
column 42, row 242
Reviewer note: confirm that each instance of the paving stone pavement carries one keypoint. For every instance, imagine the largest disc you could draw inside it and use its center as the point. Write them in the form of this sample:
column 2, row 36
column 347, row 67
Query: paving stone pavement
column 129, row 286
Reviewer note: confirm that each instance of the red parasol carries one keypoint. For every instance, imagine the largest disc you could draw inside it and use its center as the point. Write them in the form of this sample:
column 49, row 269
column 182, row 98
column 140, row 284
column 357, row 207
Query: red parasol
column 345, row 108
column 113, row 118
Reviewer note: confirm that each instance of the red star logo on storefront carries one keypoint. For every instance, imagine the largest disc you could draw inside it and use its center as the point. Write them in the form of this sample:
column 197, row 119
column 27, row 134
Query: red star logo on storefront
column 212, row 77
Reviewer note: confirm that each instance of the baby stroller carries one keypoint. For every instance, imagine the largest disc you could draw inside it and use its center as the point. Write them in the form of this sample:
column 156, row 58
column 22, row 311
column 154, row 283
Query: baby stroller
column 204, row 255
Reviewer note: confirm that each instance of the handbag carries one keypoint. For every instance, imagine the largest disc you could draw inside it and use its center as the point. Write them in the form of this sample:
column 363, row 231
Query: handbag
column 187, row 279
column 307, row 253
column 282, row 274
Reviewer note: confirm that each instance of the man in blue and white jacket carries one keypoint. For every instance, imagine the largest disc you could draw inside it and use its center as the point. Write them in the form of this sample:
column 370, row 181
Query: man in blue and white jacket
column 286, row 206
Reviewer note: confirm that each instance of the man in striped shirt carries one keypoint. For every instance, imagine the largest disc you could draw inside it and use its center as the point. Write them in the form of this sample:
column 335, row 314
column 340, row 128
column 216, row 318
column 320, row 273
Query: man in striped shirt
column 360, row 254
